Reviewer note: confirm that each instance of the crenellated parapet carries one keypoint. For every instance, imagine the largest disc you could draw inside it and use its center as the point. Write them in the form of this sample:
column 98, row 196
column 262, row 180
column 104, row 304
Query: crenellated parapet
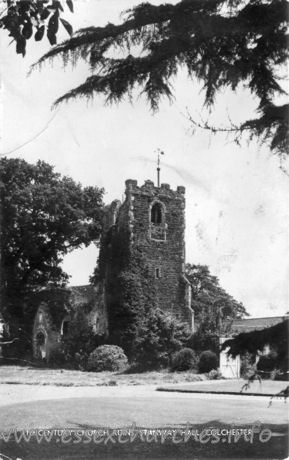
column 149, row 188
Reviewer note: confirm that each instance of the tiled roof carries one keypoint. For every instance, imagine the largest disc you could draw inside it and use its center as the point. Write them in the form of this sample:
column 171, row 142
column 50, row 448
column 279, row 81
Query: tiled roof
column 255, row 324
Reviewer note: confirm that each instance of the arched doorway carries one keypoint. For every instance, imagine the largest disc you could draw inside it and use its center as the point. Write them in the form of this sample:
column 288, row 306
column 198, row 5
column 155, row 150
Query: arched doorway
column 46, row 335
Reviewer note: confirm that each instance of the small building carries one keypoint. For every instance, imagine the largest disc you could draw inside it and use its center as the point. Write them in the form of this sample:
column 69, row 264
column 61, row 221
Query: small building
column 230, row 367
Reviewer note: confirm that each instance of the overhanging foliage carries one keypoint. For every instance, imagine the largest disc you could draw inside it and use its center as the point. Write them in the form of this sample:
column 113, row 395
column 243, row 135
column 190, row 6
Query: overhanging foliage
column 221, row 43
column 254, row 342
column 24, row 19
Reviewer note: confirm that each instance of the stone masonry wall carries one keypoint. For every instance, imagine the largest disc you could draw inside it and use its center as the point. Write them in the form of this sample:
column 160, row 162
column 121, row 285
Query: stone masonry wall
column 164, row 257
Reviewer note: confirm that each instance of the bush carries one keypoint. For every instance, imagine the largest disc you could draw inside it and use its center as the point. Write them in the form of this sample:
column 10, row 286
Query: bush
column 248, row 365
column 158, row 338
column 202, row 340
column 107, row 358
column 20, row 348
column 79, row 342
column 214, row 375
column 267, row 363
column 208, row 361
column 184, row 360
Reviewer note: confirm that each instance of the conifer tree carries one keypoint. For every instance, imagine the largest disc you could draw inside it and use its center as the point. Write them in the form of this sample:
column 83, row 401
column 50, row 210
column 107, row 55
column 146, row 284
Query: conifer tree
column 221, row 43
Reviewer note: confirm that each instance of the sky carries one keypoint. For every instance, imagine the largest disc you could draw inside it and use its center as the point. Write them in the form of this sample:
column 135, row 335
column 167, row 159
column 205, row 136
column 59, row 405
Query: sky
column 236, row 196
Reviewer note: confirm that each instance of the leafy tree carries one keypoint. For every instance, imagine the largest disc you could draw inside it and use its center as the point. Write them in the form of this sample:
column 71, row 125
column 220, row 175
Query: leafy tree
column 44, row 216
column 78, row 342
column 211, row 303
column 222, row 43
column 158, row 337
column 25, row 18
column 214, row 308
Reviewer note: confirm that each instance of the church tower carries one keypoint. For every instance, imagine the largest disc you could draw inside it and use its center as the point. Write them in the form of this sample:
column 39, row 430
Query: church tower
column 152, row 220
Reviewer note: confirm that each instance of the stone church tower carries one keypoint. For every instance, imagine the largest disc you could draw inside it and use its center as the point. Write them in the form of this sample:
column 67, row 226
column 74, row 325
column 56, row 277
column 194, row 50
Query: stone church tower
column 152, row 219
column 150, row 223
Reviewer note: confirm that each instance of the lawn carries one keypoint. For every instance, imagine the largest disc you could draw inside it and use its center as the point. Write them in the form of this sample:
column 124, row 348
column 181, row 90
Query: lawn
column 61, row 399
column 164, row 380
column 265, row 387
column 109, row 407
column 63, row 377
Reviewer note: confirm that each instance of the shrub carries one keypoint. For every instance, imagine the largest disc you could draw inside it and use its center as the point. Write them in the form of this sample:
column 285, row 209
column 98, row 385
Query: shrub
column 79, row 342
column 248, row 366
column 202, row 340
column 107, row 358
column 267, row 363
column 184, row 360
column 214, row 375
column 158, row 337
column 19, row 346
column 208, row 361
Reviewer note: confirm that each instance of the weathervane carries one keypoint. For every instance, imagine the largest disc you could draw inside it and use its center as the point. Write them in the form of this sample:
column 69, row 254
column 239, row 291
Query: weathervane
column 159, row 152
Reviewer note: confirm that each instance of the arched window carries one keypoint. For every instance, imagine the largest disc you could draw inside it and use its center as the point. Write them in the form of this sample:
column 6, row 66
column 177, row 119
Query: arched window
column 157, row 221
column 156, row 214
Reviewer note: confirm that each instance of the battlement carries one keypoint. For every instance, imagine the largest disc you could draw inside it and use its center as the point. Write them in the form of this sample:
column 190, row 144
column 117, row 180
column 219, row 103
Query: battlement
column 149, row 188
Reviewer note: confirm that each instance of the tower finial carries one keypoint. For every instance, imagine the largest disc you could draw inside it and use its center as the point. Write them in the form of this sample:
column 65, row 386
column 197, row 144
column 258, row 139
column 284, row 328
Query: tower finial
column 160, row 152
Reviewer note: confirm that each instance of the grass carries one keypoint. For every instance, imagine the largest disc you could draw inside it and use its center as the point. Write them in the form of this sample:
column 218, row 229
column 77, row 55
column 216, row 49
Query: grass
column 150, row 410
column 67, row 378
column 266, row 387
